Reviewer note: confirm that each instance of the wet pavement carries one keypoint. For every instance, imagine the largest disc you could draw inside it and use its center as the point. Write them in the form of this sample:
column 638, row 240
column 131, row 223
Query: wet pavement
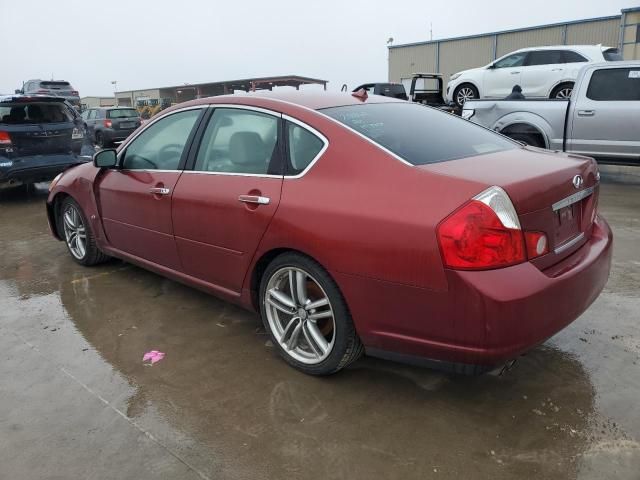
column 76, row 400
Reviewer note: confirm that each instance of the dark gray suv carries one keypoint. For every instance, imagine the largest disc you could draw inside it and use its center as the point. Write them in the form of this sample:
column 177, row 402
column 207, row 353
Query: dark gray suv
column 110, row 124
column 56, row 88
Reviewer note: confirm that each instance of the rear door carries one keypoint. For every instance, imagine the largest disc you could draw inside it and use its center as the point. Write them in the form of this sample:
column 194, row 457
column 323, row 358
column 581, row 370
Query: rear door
column 506, row 72
column 135, row 200
column 223, row 205
column 605, row 121
column 542, row 70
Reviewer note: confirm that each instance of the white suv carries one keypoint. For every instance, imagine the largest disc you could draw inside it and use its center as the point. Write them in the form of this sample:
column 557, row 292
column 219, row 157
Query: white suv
column 542, row 72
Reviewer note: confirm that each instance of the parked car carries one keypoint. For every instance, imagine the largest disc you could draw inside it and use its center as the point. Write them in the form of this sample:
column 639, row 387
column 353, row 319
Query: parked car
column 542, row 72
column 106, row 125
column 57, row 88
column 351, row 224
column 39, row 138
column 601, row 119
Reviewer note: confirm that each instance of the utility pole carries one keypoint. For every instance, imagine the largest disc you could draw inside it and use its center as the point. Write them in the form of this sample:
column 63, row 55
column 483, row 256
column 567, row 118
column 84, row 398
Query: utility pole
column 430, row 30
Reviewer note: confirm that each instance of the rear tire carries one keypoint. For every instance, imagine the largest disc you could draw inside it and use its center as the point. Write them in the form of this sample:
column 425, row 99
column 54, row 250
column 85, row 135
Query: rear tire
column 100, row 140
column 562, row 91
column 527, row 139
column 78, row 235
column 315, row 340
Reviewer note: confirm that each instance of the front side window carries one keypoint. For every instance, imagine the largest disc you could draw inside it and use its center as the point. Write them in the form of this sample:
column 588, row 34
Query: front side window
column 515, row 60
column 545, row 57
column 615, row 84
column 303, row 147
column 161, row 145
column 418, row 134
column 240, row 141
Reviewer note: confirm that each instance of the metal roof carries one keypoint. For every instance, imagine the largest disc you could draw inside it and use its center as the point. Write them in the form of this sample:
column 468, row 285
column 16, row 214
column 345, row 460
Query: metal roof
column 501, row 32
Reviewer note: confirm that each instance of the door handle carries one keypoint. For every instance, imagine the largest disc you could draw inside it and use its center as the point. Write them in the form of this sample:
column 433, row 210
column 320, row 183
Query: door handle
column 557, row 69
column 586, row 113
column 514, row 73
column 159, row 191
column 257, row 199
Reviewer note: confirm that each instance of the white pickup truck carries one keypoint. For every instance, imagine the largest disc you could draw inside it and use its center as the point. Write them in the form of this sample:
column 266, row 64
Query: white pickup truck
column 600, row 119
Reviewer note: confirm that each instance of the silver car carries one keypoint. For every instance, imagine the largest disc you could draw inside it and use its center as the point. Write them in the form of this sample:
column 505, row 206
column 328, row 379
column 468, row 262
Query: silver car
column 55, row 88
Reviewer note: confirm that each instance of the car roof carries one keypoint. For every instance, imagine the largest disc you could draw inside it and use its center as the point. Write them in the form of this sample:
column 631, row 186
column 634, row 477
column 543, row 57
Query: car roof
column 599, row 48
column 314, row 100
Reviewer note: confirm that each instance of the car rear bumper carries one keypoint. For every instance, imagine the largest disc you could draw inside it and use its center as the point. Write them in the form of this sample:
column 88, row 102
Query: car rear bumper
column 37, row 168
column 485, row 318
column 111, row 135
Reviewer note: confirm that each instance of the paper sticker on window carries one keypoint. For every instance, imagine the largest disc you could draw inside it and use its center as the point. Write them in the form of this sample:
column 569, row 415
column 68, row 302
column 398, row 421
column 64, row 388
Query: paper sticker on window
column 634, row 73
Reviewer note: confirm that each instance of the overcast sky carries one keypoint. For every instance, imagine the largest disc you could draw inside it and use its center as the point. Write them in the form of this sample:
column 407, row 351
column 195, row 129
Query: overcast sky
column 154, row 43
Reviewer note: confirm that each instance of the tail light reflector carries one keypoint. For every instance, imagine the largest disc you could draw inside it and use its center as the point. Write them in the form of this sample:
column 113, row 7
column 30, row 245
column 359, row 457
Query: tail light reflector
column 483, row 234
column 5, row 139
column 107, row 123
column 537, row 244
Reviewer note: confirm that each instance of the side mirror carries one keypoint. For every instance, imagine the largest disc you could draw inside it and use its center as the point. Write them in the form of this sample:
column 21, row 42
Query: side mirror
column 105, row 158
column 491, row 66
column 17, row 90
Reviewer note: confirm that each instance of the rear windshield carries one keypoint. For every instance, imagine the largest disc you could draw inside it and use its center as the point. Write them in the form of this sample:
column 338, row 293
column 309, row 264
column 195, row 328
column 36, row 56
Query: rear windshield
column 122, row 113
column 419, row 134
column 34, row 112
column 612, row 55
column 49, row 84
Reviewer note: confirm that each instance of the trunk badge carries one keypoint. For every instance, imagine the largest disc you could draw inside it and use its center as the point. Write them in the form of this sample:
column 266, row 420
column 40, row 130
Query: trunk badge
column 578, row 181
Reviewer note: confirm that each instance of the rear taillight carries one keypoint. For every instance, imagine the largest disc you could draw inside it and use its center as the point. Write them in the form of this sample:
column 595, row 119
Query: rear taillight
column 42, row 90
column 484, row 233
column 107, row 123
column 5, row 139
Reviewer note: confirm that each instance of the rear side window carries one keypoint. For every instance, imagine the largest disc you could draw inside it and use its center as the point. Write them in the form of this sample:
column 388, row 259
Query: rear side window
column 544, row 57
column 615, row 84
column 573, row 57
column 419, row 134
column 612, row 55
column 34, row 113
column 122, row 113
column 303, row 147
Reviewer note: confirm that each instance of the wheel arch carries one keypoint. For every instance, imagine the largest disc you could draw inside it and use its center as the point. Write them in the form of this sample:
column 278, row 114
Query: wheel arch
column 559, row 83
column 525, row 128
column 462, row 84
column 261, row 264
column 524, row 122
column 53, row 213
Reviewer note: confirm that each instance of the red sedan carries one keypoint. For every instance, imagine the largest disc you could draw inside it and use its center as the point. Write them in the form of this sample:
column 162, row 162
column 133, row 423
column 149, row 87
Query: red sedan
column 351, row 224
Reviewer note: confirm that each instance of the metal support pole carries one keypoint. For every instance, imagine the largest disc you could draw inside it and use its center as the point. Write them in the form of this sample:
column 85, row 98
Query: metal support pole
column 494, row 53
column 564, row 34
column 437, row 57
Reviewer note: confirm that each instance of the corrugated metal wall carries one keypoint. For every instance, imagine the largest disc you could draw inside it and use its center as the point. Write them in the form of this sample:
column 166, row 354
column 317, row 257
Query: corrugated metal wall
column 403, row 62
column 630, row 36
column 605, row 32
column 539, row 37
column 455, row 55
column 459, row 54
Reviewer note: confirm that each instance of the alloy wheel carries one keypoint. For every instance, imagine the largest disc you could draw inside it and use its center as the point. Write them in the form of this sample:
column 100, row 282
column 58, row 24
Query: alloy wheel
column 74, row 232
column 564, row 92
column 464, row 94
column 300, row 315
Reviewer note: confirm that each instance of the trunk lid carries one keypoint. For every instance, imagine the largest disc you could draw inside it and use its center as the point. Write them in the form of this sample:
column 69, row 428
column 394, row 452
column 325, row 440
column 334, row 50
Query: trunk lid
column 553, row 193
column 124, row 119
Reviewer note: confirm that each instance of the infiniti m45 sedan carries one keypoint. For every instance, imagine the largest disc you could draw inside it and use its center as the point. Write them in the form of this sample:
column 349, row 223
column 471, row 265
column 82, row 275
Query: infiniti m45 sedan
column 352, row 224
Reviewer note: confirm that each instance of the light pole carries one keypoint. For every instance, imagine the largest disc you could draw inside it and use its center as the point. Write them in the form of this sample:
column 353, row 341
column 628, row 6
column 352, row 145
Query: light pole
column 115, row 87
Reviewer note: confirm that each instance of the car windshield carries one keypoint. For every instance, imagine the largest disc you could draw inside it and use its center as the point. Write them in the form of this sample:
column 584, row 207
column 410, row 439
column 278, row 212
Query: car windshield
column 122, row 113
column 34, row 112
column 419, row 134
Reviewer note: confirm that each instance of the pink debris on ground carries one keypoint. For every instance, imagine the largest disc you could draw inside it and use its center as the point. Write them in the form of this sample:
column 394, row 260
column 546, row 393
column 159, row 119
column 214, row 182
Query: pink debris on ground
column 153, row 356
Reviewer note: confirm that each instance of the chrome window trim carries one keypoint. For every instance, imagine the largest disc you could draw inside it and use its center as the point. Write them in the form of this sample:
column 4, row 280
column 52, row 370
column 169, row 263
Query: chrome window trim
column 128, row 140
column 571, row 199
column 346, row 127
column 568, row 244
column 150, row 170
column 232, row 174
column 314, row 132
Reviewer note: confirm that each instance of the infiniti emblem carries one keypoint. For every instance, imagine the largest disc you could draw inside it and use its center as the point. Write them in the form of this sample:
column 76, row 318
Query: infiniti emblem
column 578, row 181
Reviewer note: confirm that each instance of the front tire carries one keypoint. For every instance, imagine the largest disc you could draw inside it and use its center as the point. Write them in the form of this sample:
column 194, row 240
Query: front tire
column 100, row 142
column 465, row 92
column 307, row 316
column 562, row 91
column 78, row 235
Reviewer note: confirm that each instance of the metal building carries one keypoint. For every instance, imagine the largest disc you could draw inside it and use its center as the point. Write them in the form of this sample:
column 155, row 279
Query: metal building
column 451, row 55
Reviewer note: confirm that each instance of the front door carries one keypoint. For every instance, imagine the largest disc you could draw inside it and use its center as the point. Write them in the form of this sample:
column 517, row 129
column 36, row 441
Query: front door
column 223, row 205
column 506, row 72
column 135, row 200
column 606, row 121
